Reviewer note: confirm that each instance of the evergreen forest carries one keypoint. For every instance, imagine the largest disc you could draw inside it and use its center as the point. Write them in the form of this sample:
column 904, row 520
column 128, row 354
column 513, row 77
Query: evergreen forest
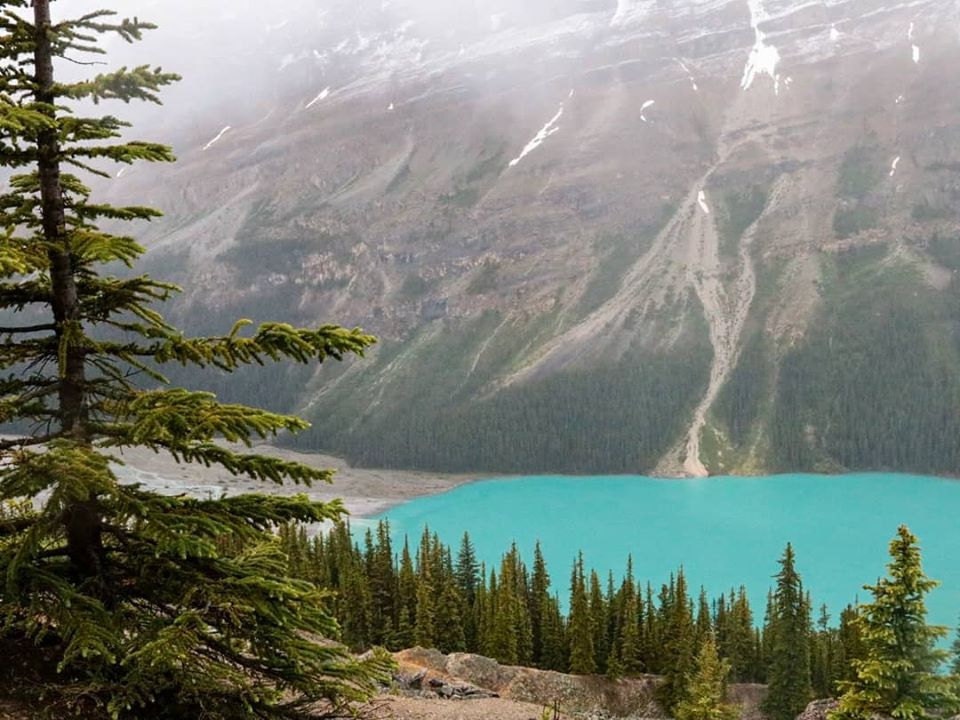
column 436, row 596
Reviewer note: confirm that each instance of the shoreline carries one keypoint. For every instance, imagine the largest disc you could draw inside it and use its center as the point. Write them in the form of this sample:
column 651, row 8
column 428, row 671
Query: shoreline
column 364, row 492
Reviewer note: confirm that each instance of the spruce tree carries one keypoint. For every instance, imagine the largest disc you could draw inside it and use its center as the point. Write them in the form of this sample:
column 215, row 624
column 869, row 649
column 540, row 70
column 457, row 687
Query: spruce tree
column 467, row 568
column 679, row 647
column 467, row 575
column 823, row 656
column 406, row 600
column 383, row 585
column 598, row 622
column 788, row 679
column 739, row 638
column 582, row 657
column 631, row 645
column 132, row 604
column 706, row 697
column 704, row 621
column 850, row 639
column 450, row 635
column 424, row 630
column 555, row 646
column 898, row 677
column 539, row 604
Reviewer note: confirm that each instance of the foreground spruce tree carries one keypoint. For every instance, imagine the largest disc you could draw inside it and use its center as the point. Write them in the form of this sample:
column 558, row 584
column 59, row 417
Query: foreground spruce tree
column 707, row 692
column 117, row 602
column 899, row 674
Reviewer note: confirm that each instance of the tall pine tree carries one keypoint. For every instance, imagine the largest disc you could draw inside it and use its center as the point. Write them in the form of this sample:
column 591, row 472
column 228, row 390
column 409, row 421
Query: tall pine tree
column 679, row 643
column 582, row 655
column 788, row 680
column 132, row 604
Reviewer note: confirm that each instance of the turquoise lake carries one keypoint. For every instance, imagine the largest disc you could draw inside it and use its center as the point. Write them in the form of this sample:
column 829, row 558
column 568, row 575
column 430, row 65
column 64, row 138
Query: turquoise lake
column 725, row 531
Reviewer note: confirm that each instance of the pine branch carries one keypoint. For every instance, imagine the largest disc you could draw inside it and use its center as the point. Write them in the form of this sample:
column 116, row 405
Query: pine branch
column 179, row 417
column 273, row 341
column 42, row 327
column 257, row 467
column 28, row 441
column 139, row 83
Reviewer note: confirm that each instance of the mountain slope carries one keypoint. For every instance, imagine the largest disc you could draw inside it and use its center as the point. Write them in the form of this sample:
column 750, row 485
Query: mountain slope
column 593, row 236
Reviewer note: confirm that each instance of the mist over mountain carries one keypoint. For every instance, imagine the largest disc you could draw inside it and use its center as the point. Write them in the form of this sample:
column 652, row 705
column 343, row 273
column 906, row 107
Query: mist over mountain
column 593, row 236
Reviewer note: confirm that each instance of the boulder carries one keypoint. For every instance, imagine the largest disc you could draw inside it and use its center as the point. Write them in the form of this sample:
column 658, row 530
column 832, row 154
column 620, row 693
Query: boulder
column 818, row 709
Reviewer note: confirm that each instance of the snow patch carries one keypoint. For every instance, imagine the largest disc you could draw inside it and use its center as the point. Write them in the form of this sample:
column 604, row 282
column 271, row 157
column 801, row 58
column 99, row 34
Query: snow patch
column 546, row 131
column 496, row 22
column 898, row 100
column 644, row 107
column 570, row 96
column 702, row 202
column 916, row 55
column 910, row 33
column 834, row 33
column 324, row 94
column 690, row 77
column 278, row 26
column 764, row 58
column 391, row 107
column 893, row 166
column 623, row 8
column 122, row 171
column 219, row 135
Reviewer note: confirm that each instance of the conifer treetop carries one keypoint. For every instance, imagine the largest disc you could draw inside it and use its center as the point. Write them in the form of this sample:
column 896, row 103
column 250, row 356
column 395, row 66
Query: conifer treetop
column 899, row 676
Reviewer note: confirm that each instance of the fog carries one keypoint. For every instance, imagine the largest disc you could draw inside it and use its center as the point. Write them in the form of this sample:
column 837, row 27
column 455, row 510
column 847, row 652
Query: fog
column 238, row 57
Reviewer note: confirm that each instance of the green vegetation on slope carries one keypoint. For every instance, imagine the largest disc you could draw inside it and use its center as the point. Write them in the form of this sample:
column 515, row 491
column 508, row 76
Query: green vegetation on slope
column 737, row 212
column 434, row 408
column 860, row 173
column 739, row 403
column 876, row 381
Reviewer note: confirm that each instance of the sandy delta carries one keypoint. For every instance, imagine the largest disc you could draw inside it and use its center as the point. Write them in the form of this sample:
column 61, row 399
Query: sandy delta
column 364, row 492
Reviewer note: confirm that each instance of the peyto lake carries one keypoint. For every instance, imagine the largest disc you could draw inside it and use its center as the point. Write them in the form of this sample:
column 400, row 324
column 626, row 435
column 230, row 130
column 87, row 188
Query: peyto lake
column 725, row 531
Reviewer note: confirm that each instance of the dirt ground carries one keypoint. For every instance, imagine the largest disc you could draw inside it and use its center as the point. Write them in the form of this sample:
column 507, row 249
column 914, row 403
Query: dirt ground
column 486, row 709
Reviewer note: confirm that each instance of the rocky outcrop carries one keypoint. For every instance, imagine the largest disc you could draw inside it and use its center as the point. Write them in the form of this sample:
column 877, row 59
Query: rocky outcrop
column 463, row 676
column 420, row 684
column 818, row 709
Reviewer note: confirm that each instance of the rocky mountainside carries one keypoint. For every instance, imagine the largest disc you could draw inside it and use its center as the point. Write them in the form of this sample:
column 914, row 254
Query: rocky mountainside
column 593, row 235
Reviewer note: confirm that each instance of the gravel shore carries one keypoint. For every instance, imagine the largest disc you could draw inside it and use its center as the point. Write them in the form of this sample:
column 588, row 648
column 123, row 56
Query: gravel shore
column 364, row 492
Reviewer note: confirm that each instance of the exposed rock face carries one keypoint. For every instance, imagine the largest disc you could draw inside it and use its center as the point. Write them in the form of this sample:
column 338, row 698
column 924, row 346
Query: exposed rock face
column 579, row 696
column 419, row 684
column 818, row 709
column 535, row 190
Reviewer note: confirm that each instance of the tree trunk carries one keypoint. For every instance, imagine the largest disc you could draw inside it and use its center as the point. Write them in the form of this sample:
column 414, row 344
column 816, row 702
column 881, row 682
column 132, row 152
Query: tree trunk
column 82, row 519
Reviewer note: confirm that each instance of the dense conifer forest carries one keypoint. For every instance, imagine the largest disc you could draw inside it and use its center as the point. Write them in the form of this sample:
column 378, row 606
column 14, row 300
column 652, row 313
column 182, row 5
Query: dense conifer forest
column 876, row 657
column 429, row 594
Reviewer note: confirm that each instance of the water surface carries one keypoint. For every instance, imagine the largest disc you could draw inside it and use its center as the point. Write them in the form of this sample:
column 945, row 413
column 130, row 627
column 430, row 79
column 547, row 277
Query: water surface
column 725, row 531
